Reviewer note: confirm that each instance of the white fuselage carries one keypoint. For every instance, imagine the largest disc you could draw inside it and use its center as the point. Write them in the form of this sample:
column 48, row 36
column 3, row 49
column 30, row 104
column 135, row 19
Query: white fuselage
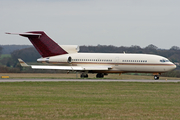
column 120, row 63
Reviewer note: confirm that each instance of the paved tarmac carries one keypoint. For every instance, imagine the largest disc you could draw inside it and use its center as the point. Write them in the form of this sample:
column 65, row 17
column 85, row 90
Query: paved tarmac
column 82, row 80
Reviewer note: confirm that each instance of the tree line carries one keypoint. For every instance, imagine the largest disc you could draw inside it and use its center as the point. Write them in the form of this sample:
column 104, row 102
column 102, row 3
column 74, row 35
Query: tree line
column 8, row 49
column 0, row 50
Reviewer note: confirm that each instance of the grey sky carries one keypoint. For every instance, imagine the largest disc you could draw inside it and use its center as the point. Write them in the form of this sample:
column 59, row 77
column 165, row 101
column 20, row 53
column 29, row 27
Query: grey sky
column 92, row 22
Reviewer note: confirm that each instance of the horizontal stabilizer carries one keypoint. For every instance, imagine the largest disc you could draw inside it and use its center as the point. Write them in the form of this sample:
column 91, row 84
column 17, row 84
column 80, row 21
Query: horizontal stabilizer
column 23, row 63
column 24, row 34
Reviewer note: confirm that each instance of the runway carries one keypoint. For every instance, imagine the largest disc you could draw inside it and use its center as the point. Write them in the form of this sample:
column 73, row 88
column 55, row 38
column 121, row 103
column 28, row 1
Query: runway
column 83, row 80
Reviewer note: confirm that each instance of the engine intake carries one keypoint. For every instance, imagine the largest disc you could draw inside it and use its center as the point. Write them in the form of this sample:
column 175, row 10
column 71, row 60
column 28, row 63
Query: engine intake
column 69, row 60
column 56, row 59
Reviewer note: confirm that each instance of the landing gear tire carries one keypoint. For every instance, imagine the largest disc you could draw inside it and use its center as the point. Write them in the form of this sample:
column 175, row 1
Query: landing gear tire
column 84, row 75
column 100, row 75
column 156, row 77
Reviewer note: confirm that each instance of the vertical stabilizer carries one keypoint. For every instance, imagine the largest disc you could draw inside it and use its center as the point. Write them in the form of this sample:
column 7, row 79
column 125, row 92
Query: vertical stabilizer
column 44, row 45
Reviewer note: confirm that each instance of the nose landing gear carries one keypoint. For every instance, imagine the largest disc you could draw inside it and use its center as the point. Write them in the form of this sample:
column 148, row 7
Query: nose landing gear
column 156, row 77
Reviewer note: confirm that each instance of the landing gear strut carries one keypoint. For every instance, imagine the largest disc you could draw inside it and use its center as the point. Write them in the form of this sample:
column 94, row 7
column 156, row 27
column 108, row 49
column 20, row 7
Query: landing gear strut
column 156, row 77
column 84, row 75
column 100, row 75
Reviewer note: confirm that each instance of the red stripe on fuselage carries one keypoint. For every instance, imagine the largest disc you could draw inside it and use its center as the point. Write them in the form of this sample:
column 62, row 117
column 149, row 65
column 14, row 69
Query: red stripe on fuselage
column 95, row 63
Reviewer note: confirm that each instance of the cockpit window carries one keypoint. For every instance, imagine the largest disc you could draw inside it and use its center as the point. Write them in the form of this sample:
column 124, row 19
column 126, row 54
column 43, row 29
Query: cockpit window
column 163, row 60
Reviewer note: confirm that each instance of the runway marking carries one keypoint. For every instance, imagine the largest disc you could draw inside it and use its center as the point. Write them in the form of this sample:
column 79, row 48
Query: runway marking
column 83, row 80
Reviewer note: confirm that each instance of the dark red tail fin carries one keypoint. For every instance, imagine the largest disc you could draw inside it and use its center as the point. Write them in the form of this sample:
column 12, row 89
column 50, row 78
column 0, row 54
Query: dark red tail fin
column 44, row 45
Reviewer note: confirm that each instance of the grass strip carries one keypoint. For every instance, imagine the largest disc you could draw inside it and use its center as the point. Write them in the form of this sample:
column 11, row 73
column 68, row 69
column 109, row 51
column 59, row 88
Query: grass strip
column 89, row 100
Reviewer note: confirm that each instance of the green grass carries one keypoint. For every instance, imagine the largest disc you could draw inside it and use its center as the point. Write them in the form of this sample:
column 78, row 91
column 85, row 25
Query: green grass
column 4, row 55
column 89, row 100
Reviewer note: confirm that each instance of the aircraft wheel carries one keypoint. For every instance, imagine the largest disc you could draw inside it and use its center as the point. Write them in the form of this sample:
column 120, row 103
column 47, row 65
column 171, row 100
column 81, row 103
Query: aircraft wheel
column 97, row 76
column 156, row 77
column 100, row 75
column 84, row 75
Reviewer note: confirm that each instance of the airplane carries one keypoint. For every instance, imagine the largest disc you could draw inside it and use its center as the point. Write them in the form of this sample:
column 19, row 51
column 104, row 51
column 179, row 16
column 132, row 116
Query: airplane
column 66, row 57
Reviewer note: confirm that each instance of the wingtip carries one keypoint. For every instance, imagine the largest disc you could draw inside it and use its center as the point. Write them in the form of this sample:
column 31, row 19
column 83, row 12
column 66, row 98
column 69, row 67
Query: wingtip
column 7, row 33
column 11, row 33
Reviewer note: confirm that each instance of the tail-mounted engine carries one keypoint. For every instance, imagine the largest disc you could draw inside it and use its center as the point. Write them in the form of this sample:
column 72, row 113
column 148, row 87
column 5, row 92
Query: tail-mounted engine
column 62, row 59
column 69, row 60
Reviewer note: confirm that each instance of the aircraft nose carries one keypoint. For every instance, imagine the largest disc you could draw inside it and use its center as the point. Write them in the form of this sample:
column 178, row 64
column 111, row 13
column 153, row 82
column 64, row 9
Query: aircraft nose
column 173, row 66
column 170, row 67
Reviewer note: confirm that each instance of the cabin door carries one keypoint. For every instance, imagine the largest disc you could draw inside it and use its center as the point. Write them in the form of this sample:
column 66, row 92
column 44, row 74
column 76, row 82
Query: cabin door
column 116, row 61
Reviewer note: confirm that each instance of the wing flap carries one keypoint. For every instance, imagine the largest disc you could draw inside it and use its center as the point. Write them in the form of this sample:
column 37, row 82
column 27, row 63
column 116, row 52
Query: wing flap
column 96, row 67
column 55, row 67
column 71, row 67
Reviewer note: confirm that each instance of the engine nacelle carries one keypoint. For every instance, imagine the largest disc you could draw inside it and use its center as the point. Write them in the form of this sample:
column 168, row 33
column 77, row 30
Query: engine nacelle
column 61, row 59
column 69, row 60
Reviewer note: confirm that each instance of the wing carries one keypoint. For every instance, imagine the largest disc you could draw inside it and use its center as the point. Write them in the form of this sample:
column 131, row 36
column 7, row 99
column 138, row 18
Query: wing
column 75, row 68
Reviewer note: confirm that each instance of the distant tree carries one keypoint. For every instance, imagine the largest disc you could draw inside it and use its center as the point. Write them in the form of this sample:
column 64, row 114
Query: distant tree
column 0, row 50
column 174, row 58
column 27, row 54
column 8, row 64
column 151, row 49
column 175, row 48
column 135, row 49
column 151, row 46
column 7, row 49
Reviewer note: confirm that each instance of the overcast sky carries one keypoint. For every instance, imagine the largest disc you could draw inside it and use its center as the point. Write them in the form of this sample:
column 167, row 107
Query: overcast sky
column 92, row 22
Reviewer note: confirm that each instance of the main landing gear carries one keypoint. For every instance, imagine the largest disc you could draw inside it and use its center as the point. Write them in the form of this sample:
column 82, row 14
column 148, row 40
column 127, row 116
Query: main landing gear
column 156, row 77
column 100, row 75
column 84, row 75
